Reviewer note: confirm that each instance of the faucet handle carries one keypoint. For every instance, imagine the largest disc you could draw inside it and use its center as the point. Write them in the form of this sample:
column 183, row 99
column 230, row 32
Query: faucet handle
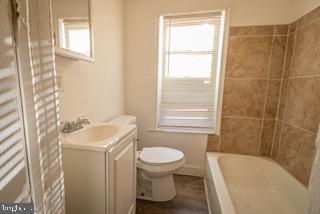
column 82, row 116
column 86, row 121
column 67, row 126
column 83, row 119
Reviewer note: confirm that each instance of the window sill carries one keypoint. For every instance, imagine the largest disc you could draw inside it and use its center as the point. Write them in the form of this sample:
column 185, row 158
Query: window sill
column 177, row 131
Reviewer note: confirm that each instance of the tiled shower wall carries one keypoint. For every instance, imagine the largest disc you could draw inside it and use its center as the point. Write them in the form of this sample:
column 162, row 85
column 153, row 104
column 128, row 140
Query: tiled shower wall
column 271, row 101
column 253, row 78
column 299, row 108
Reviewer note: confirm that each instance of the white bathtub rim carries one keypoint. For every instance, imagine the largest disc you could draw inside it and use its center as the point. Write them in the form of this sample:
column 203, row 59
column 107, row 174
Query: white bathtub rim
column 224, row 197
column 219, row 155
column 207, row 195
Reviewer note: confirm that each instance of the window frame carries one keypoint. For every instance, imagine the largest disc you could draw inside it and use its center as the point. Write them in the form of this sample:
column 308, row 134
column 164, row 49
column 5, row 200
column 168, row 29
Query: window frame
column 220, row 75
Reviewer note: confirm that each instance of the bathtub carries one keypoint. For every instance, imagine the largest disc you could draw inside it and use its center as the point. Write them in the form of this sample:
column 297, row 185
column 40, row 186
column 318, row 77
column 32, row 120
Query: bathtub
column 241, row 184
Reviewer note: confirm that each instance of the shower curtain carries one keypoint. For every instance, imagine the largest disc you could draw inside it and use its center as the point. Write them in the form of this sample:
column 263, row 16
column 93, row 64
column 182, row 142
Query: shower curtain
column 313, row 206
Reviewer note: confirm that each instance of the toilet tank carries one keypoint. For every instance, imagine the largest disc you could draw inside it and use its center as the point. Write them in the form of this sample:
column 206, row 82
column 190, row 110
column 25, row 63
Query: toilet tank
column 125, row 119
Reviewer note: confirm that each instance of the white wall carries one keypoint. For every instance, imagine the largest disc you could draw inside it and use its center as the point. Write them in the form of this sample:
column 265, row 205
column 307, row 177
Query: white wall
column 97, row 89
column 70, row 8
column 141, row 18
column 302, row 7
column 260, row 12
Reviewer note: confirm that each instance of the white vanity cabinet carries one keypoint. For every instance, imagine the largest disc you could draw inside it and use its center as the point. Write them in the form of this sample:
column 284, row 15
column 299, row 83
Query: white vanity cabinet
column 101, row 181
column 121, row 183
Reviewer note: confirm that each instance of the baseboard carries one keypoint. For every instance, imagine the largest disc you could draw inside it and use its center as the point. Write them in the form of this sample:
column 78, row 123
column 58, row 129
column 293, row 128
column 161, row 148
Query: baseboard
column 207, row 195
column 191, row 169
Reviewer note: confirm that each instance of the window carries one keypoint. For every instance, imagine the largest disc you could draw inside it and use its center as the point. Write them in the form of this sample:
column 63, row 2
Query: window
column 75, row 35
column 189, row 69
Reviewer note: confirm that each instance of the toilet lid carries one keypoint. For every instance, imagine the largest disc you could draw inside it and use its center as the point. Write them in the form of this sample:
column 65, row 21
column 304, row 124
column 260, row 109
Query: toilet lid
column 160, row 155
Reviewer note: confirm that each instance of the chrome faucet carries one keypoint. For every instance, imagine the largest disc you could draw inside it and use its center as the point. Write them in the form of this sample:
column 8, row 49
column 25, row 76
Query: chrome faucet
column 72, row 126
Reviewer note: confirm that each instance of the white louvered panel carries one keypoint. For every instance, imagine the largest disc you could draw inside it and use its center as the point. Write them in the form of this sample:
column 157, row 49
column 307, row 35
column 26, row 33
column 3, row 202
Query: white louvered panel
column 5, row 73
column 10, row 119
column 8, row 107
column 13, row 161
column 188, row 100
column 9, row 141
column 14, row 149
column 25, row 63
column 14, row 171
column 47, row 174
column 7, row 95
column 14, row 184
column 11, row 129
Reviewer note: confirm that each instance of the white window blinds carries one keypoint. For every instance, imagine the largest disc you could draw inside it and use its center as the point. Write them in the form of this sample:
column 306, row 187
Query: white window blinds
column 189, row 67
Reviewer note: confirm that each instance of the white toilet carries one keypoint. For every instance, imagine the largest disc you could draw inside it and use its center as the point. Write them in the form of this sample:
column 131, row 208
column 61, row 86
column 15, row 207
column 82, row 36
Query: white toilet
column 155, row 168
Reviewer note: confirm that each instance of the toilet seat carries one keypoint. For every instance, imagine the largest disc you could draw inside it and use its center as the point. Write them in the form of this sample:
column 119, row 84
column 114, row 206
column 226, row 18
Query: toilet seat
column 160, row 156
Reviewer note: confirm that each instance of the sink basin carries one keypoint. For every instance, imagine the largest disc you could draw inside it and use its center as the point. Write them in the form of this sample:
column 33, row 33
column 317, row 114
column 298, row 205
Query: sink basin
column 93, row 134
column 96, row 136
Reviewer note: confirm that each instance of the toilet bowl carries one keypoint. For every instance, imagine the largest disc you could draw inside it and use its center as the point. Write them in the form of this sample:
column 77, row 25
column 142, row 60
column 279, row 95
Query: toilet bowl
column 155, row 168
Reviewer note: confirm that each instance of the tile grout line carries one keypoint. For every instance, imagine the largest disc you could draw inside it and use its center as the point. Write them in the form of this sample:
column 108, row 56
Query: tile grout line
column 259, row 36
column 249, row 78
column 280, row 91
column 295, row 28
column 293, row 32
column 242, row 118
column 290, row 71
column 280, row 162
column 307, row 24
column 219, row 142
column 298, row 127
column 280, row 139
column 304, row 77
column 273, row 136
column 266, row 93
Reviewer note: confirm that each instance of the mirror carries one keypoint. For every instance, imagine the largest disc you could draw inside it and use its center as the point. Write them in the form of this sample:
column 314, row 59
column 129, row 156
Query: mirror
column 72, row 29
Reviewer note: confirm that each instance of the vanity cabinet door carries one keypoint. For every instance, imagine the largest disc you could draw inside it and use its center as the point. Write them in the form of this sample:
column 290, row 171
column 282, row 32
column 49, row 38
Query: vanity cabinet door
column 121, row 177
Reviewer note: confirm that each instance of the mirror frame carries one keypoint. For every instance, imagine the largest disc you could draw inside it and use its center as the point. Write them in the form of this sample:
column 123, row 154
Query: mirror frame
column 63, row 52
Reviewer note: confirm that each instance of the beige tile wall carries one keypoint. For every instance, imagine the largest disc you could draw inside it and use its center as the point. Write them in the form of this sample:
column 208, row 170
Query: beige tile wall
column 271, row 101
column 299, row 106
column 253, row 79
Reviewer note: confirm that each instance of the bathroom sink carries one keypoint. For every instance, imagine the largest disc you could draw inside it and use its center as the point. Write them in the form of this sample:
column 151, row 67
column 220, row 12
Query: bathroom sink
column 96, row 136
column 93, row 134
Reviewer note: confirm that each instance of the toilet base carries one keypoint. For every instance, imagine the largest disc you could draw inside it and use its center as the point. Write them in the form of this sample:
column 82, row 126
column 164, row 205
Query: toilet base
column 155, row 189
